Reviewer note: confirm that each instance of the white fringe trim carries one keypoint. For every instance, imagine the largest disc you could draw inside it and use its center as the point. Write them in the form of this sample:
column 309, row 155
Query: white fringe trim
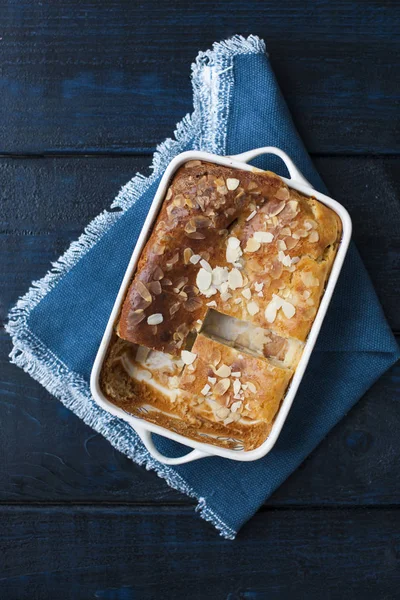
column 206, row 129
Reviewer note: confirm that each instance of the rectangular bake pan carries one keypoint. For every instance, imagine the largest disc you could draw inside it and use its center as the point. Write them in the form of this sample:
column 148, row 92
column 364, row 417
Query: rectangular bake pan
column 146, row 429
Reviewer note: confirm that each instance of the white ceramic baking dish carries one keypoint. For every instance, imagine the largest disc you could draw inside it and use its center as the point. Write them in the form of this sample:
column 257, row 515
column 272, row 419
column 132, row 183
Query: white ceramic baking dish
column 146, row 429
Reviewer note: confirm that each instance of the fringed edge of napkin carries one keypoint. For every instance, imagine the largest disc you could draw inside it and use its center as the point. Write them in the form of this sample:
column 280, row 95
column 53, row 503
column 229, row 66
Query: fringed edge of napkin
column 206, row 129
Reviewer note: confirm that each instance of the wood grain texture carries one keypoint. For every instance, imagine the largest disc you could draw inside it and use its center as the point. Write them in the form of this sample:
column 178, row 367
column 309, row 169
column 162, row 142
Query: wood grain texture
column 46, row 203
column 114, row 77
column 152, row 553
column 50, row 455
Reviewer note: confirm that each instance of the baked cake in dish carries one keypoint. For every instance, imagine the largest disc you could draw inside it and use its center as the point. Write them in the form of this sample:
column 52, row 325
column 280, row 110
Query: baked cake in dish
column 220, row 305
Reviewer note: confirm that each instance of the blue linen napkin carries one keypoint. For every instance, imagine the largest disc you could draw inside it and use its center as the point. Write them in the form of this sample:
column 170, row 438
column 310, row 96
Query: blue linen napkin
column 57, row 326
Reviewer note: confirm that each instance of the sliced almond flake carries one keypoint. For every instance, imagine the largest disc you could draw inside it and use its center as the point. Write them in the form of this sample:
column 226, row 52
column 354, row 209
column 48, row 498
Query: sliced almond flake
column 308, row 279
column 310, row 302
column 252, row 245
column 237, row 301
column 244, row 386
column 236, row 386
column 310, row 224
column 212, row 290
column 313, row 237
column 233, row 243
column 155, row 319
column 187, row 254
column 232, row 183
column 155, row 287
column 235, row 279
column 192, row 304
column 225, row 296
column 295, row 260
column 258, row 286
column 169, row 193
column 221, row 387
column 264, row 237
column 246, row 293
column 306, row 294
column 174, row 308
column 158, row 274
column 223, row 371
column 141, row 354
column 211, row 304
column 253, row 308
column 222, row 412
column 203, row 280
column 212, row 380
column 285, row 293
column 236, row 374
column 281, row 245
column 272, row 309
column 284, row 259
column 194, row 259
column 205, row 390
column 293, row 205
column 251, row 387
column 291, row 243
column 220, row 276
column 275, row 208
column 136, row 317
column 282, row 194
column 206, row 265
column 235, row 406
column 288, row 309
column 143, row 291
column 188, row 357
column 285, row 231
column 251, row 215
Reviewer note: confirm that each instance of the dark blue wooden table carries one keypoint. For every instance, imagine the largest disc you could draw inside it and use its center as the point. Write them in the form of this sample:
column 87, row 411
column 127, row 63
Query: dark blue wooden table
column 87, row 91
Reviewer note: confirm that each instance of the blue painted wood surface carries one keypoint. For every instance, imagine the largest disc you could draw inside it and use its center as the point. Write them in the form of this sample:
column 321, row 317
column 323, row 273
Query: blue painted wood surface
column 88, row 90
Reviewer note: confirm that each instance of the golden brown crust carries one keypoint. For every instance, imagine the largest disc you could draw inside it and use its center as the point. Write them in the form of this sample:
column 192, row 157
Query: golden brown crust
column 232, row 246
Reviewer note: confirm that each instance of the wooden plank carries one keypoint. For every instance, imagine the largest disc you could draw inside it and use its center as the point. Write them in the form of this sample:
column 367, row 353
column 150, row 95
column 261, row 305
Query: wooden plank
column 115, row 77
column 148, row 553
column 50, row 455
column 45, row 204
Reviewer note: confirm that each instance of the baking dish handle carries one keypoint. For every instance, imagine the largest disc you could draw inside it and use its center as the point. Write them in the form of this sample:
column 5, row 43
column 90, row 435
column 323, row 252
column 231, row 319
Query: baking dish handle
column 295, row 174
column 146, row 437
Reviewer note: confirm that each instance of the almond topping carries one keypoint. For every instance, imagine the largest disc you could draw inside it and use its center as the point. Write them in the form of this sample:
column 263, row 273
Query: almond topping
column 288, row 309
column 222, row 412
column 155, row 319
column 174, row 308
column 236, row 386
column 253, row 308
column 252, row 245
column 223, row 371
column 251, row 215
column 188, row 357
column 233, row 242
column 158, row 274
column 187, row 254
column 236, row 374
column 206, row 265
column 211, row 304
column 246, row 293
column 313, row 237
column 143, row 291
column 264, row 237
column 212, row 380
column 155, row 287
column 194, row 259
column 232, row 183
column 282, row 194
column 205, row 390
column 203, row 280
column 235, row 279
column 251, row 387
column 222, row 387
